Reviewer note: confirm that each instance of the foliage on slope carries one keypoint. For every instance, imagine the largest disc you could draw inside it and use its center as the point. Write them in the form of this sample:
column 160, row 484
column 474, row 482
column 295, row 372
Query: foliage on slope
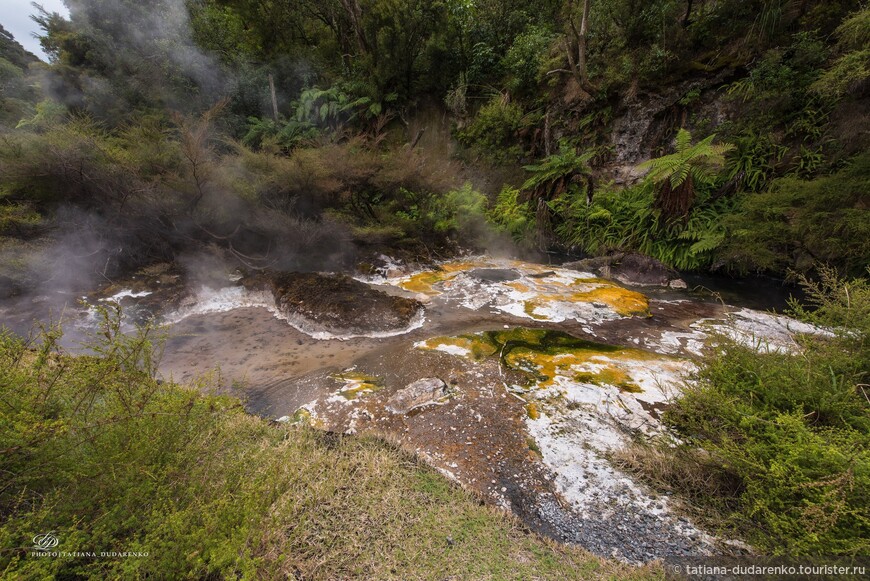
column 777, row 445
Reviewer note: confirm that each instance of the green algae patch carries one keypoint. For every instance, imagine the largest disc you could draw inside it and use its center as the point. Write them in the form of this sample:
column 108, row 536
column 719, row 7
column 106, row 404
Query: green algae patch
column 545, row 355
column 301, row 416
column 357, row 384
column 544, row 367
column 504, row 342
column 533, row 447
column 532, row 411
column 609, row 376
column 529, row 308
column 541, row 341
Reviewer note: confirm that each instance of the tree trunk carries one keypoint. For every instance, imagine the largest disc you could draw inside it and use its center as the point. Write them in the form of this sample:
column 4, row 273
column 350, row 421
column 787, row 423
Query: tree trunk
column 687, row 19
column 274, row 98
column 579, row 65
column 675, row 203
column 581, row 47
column 354, row 13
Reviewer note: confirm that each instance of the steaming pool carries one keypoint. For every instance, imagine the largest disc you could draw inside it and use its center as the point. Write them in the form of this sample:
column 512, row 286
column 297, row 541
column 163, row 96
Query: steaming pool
column 515, row 379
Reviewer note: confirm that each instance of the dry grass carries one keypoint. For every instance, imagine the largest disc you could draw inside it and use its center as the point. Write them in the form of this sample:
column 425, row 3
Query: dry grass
column 346, row 507
column 690, row 471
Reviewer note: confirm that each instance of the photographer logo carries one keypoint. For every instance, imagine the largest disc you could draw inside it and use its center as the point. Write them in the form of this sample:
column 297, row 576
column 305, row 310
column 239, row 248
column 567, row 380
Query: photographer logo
column 45, row 542
column 44, row 546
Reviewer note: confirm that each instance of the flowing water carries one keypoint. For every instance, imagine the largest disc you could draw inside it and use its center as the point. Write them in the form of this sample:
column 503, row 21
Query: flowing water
column 535, row 375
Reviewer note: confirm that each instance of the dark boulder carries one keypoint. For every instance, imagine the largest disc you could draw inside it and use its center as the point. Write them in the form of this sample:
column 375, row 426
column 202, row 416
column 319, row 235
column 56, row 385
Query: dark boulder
column 422, row 392
column 494, row 274
column 335, row 303
column 633, row 269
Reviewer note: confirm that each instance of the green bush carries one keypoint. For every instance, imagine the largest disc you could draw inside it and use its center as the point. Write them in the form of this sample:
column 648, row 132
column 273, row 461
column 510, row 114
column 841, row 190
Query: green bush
column 792, row 430
column 752, row 163
column 851, row 67
column 626, row 220
column 525, row 57
column 795, row 223
column 513, row 216
column 434, row 219
column 493, row 131
column 460, row 210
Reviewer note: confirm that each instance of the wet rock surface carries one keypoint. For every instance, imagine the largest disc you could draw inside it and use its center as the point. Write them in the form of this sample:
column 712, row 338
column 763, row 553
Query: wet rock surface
column 622, row 532
column 632, row 268
column 422, row 392
column 494, row 274
column 335, row 302
column 147, row 293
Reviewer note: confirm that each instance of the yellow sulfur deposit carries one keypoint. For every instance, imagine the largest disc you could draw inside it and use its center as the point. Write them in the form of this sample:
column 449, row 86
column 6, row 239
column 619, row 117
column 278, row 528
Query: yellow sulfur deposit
column 424, row 282
column 623, row 301
column 518, row 286
column 357, row 383
column 548, row 355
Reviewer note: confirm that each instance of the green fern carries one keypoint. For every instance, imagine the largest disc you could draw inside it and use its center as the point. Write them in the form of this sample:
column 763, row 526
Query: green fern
column 678, row 175
column 553, row 176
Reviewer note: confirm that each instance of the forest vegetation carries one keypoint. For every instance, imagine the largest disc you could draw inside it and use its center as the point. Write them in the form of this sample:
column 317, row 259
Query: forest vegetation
column 158, row 117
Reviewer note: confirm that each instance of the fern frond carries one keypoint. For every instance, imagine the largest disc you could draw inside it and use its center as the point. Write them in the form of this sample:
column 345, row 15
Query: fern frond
column 710, row 242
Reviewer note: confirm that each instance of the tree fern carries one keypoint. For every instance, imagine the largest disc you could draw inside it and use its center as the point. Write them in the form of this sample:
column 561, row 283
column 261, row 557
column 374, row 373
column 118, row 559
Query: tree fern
column 677, row 175
column 556, row 177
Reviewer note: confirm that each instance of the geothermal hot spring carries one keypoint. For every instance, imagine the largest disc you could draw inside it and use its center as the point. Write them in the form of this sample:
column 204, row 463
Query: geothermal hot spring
column 516, row 380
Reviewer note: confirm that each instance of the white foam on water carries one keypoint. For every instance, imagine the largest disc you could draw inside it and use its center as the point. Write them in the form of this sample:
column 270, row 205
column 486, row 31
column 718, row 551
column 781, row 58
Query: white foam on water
column 124, row 294
column 209, row 300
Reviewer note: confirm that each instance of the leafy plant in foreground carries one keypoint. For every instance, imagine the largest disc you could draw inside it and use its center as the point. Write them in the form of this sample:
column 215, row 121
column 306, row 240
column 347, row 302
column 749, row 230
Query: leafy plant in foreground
column 788, row 432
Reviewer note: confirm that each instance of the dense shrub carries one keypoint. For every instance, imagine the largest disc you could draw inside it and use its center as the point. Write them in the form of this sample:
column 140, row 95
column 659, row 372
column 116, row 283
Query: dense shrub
column 795, row 223
column 512, row 215
column 789, row 433
column 627, row 220
column 494, row 130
